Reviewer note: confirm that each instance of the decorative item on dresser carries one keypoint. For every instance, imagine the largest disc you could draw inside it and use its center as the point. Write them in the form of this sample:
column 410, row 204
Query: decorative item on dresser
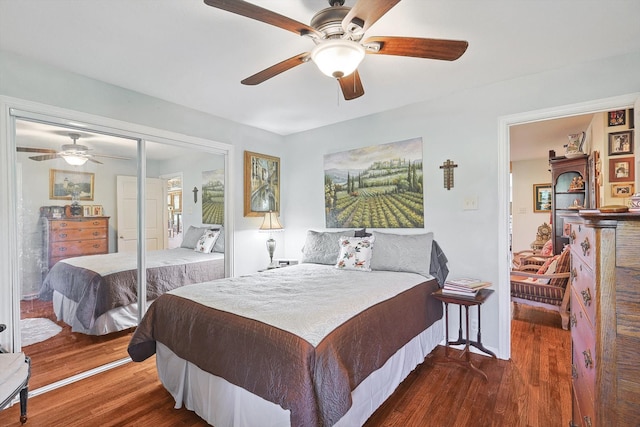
column 569, row 192
column 71, row 237
column 605, row 332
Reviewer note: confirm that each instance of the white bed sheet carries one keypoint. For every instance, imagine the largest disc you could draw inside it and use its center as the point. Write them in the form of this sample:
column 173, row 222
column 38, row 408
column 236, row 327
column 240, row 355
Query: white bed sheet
column 114, row 320
column 223, row 404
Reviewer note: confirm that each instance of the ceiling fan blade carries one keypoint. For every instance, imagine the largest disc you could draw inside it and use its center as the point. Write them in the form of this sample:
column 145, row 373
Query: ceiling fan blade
column 276, row 69
column 366, row 12
column 240, row 7
column 351, row 86
column 35, row 150
column 447, row 50
column 44, row 157
column 106, row 156
column 94, row 161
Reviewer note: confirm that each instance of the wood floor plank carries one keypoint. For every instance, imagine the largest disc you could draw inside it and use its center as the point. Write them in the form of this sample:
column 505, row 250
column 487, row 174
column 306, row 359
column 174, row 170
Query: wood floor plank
column 434, row 394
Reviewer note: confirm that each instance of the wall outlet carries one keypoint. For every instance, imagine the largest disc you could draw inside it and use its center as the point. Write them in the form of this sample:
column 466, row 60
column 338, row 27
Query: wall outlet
column 470, row 203
column 473, row 324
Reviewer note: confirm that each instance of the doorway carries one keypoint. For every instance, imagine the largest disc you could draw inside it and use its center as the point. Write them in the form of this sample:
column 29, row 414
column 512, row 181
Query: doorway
column 504, row 126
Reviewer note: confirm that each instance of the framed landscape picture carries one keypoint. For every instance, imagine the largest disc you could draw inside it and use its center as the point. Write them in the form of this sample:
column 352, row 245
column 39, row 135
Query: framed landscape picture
column 378, row 186
column 70, row 185
column 542, row 197
column 261, row 184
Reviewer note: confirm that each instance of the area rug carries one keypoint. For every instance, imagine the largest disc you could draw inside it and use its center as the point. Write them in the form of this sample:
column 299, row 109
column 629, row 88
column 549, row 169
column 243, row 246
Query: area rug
column 37, row 330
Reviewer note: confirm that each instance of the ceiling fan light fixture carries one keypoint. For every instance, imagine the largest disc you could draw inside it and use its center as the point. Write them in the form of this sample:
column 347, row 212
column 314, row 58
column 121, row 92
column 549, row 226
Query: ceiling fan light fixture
column 337, row 57
column 74, row 159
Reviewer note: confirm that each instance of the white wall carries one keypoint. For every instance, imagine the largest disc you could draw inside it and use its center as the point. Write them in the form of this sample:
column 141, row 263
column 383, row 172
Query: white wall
column 525, row 220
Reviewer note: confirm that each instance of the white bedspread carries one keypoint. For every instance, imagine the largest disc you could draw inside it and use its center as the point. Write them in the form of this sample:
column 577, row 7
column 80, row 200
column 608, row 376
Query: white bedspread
column 309, row 300
column 122, row 261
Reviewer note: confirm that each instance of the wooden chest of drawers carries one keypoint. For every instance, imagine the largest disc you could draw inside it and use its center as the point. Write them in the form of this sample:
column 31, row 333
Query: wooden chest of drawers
column 605, row 318
column 72, row 237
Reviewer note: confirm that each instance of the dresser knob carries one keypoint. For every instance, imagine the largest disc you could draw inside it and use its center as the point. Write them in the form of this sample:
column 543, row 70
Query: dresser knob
column 572, row 236
column 585, row 246
column 63, row 235
column 586, row 297
column 574, row 320
column 62, row 249
column 97, row 245
column 587, row 421
column 95, row 233
column 574, row 371
column 588, row 362
column 574, row 274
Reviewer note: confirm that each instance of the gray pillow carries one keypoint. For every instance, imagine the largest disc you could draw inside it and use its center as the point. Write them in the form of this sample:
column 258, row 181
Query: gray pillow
column 323, row 247
column 402, row 252
column 219, row 246
column 193, row 234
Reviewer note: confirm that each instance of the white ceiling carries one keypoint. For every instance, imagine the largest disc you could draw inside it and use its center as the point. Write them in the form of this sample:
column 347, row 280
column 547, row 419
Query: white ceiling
column 194, row 55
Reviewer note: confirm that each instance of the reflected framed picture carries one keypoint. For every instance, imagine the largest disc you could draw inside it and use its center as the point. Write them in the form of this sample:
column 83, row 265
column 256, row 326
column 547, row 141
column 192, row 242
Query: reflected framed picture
column 622, row 169
column 261, row 184
column 97, row 210
column 87, row 210
column 621, row 143
column 622, row 189
column 70, row 185
column 542, row 197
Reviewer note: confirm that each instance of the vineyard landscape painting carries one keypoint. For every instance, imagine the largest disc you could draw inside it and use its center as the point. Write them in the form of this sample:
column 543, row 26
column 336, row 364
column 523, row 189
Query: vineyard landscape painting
column 213, row 197
column 377, row 187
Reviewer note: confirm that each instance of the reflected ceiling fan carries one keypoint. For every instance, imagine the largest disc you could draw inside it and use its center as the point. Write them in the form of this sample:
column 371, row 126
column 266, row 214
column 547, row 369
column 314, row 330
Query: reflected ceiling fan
column 337, row 32
column 74, row 154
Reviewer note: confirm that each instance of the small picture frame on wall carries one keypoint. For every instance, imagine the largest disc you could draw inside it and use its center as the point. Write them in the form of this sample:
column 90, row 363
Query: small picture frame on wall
column 97, row 210
column 621, row 169
column 621, row 143
column 622, row 189
column 617, row 118
column 541, row 198
column 87, row 210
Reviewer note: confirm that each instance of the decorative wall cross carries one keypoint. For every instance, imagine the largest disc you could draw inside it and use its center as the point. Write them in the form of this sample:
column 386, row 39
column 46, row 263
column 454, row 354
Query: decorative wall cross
column 447, row 169
column 195, row 194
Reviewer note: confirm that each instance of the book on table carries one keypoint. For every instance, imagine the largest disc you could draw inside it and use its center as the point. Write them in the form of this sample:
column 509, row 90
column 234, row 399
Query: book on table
column 464, row 286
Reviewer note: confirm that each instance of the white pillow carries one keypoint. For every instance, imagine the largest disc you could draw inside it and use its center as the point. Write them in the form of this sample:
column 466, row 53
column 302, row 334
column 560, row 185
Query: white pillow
column 355, row 253
column 206, row 241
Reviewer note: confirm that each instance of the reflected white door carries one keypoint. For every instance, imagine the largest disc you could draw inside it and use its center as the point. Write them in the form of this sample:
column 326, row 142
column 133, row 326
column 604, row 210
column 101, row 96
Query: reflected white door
column 156, row 213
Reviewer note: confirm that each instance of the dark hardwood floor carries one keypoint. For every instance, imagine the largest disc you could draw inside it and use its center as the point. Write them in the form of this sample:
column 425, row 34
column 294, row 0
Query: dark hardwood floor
column 531, row 389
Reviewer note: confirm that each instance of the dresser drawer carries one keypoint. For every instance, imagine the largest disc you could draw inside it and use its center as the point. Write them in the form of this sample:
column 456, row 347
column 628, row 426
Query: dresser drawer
column 583, row 282
column 77, row 233
column 582, row 241
column 72, row 248
column 583, row 405
column 584, row 351
column 63, row 224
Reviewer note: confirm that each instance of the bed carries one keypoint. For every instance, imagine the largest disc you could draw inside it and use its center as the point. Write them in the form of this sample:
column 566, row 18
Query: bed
column 314, row 344
column 97, row 294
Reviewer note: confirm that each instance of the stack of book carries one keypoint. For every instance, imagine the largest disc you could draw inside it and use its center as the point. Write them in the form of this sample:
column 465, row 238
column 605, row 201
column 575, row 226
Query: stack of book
column 464, row 287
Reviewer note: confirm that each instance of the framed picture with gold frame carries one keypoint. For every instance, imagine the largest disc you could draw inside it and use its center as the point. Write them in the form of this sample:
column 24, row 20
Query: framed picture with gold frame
column 70, row 185
column 623, row 189
column 542, row 198
column 261, row 184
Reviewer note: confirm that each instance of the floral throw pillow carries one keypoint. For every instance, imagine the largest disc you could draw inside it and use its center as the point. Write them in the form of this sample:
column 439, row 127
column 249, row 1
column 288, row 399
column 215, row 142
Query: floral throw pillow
column 355, row 253
column 206, row 241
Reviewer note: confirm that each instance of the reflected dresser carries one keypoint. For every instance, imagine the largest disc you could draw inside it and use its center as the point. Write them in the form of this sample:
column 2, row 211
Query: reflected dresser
column 72, row 237
column 605, row 318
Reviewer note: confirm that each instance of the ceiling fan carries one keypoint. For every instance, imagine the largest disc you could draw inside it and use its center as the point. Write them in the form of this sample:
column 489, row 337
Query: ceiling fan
column 74, row 154
column 337, row 32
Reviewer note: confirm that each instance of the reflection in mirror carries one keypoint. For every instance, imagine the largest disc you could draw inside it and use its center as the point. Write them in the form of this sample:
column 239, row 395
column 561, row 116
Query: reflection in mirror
column 78, row 228
column 67, row 203
column 189, row 247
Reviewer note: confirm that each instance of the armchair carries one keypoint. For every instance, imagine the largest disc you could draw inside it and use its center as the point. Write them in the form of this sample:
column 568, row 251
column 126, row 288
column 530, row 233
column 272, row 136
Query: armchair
column 15, row 370
column 544, row 286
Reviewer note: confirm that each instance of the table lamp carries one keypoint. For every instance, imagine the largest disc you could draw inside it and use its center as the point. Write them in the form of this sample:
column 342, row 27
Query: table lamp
column 270, row 224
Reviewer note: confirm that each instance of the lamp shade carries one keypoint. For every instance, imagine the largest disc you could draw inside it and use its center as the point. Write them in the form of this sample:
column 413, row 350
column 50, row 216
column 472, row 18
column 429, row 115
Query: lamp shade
column 337, row 57
column 271, row 222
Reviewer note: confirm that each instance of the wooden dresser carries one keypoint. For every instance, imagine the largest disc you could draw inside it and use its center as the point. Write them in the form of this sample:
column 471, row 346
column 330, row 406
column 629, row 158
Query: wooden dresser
column 75, row 236
column 605, row 318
